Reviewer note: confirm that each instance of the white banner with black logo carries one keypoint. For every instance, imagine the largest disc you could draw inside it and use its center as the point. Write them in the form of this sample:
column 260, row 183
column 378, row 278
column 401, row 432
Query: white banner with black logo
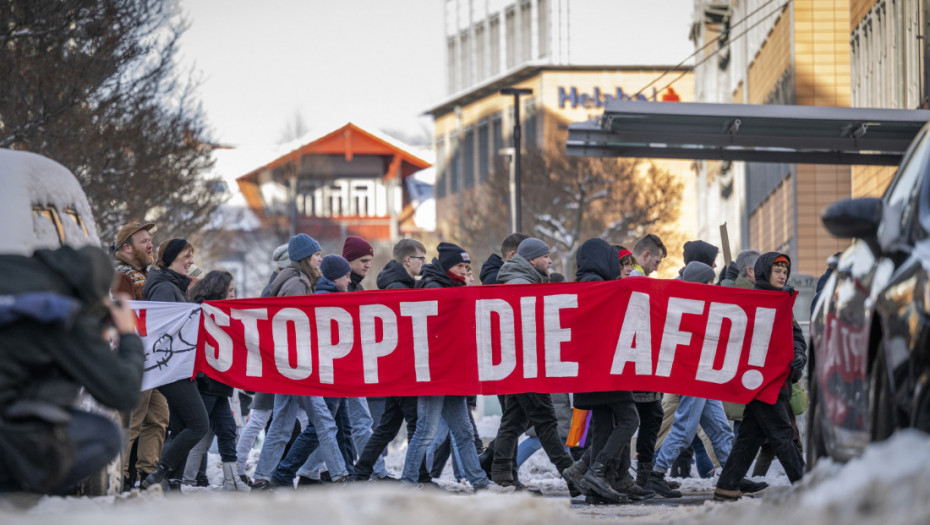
column 169, row 336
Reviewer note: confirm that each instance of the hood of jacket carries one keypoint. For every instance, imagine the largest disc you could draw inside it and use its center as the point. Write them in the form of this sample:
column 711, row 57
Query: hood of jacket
column 324, row 285
column 518, row 268
column 700, row 251
column 433, row 274
column 763, row 270
column 597, row 261
column 394, row 272
column 160, row 277
column 490, row 268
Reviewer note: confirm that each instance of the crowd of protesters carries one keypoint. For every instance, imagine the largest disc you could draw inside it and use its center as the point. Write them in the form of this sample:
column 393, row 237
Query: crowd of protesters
column 312, row 440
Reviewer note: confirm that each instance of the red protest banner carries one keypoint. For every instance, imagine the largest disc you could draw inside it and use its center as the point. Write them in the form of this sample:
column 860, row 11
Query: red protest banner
column 633, row 334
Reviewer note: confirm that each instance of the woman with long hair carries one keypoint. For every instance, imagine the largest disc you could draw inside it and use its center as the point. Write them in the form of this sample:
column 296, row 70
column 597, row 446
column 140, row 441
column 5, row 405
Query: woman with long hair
column 215, row 286
column 188, row 424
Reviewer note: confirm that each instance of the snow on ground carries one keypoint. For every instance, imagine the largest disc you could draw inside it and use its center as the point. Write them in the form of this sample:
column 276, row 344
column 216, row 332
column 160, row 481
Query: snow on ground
column 888, row 485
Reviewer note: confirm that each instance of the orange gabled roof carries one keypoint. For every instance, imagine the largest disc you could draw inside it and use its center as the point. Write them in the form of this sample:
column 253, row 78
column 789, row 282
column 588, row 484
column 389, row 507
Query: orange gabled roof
column 351, row 140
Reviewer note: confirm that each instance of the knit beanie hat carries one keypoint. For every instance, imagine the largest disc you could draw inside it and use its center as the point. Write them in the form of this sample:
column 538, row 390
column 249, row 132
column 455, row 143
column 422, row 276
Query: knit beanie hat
column 451, row 254
column 302, row 246
column 169, row 251
column 356, row 248
column 531, row 248
column 698, row 272
column 334, row 266
column 280, row 258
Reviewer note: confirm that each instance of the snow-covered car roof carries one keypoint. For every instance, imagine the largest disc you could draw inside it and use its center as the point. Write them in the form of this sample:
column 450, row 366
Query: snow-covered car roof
column 42, row 205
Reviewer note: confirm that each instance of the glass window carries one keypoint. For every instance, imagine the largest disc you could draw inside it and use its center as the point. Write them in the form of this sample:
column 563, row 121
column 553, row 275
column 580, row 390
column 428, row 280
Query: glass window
column 898, row 201
column 455, row 162
column 494, row 52
column 484, row 158
column 542, row 16
column 510, row 37
column 441, row 166
column 468, row 162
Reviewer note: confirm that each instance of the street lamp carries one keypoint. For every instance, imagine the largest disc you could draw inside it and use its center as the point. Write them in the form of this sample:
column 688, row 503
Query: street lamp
column 515, row 204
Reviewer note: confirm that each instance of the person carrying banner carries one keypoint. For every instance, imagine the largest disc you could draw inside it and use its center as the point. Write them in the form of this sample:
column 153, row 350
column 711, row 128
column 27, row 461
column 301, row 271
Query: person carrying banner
column 132, row 250
column 613, row 415
column 351, row 413
column 763, row 421
column 446, row 271
column 53, row 316
column 189, row 421
column 399, row 274
column 530, row 265
column 359, row 253
column 690, row 412
column 216, row 285
column 648, row 254
column 492, row 265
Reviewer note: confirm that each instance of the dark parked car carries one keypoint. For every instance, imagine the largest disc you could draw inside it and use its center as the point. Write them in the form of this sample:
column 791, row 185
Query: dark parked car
column 870, row 354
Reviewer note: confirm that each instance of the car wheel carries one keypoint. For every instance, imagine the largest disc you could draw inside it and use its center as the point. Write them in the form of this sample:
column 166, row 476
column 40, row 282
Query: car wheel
column 881, row 404
column 815, row 445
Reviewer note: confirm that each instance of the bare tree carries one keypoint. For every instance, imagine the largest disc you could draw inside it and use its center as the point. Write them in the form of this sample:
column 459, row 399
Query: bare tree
column 567, row 200
column 294, row 128
column 93, row 84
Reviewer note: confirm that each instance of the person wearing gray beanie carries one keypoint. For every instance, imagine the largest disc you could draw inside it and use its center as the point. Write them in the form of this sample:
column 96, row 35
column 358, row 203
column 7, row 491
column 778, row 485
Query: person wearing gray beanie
column 302, row 246
column 698, row 272
column 280, row 257
column 531, row 248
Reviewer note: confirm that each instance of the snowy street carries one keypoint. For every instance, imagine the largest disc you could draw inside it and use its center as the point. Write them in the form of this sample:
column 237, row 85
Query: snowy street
column 890, row 484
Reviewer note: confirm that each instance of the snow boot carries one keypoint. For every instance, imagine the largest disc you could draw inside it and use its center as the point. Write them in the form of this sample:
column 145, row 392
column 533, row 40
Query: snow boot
column 726, row 494
column 231, row 481
column 574, row 477
column 748, row 486
column 596, row 480
column 158, row 477
column 657, row 483
column 624, row 484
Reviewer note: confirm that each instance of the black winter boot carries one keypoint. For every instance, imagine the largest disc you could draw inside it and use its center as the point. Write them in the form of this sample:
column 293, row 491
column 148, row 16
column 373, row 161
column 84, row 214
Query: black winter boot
column 624, row 485
column 658, row 484
column 574, row 477
column 596, row 480
column 155, row 478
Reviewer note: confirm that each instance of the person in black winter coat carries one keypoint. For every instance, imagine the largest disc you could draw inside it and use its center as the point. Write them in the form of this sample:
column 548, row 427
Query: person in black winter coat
column 52, row 345
column 492, row 266
column 401, row 272
column 189, row 421
column 614, row 419
column 763, row 421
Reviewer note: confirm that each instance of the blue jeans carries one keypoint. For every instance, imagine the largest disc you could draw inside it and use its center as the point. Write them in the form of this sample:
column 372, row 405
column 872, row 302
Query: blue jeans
column 528, row 447
column 431, row 457
column 279, row 433
column 691, row 412
column 453, row 409
column 320, row 434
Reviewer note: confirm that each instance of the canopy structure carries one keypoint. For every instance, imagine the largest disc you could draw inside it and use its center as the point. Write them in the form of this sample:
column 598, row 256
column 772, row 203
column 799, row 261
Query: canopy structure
column 745, row 132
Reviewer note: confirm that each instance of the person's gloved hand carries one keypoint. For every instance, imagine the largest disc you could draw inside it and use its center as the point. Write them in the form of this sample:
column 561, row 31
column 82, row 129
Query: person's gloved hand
column 798, row 362
column 732, row 271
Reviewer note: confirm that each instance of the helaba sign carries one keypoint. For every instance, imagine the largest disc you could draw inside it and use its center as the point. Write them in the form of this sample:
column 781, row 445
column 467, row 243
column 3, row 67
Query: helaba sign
column 593, row 100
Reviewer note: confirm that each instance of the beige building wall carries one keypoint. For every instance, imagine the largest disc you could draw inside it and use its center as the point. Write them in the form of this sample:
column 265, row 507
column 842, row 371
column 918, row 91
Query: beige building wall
column 815, row 33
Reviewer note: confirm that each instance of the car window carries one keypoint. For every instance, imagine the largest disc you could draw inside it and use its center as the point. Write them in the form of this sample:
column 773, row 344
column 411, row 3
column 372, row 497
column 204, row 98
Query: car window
column 899, row 201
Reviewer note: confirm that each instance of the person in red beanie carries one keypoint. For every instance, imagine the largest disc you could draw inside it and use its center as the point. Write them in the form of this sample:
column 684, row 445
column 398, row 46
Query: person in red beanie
column 359, row 253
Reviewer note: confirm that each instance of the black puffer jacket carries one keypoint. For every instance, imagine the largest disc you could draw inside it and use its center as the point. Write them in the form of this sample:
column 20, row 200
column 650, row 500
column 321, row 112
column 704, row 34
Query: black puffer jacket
column 167, row 286
column 395, row 277
column 433, row 276
column 355, row 283
column 598, row 261
column 489, row 269
column 51, row 362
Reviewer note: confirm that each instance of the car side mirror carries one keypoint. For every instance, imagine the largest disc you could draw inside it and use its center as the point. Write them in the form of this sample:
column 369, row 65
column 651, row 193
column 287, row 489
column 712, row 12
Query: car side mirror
column 850, row 218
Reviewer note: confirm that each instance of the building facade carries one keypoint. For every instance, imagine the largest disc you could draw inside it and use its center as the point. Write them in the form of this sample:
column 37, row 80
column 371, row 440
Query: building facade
column 555, row 48
column 848, row 53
